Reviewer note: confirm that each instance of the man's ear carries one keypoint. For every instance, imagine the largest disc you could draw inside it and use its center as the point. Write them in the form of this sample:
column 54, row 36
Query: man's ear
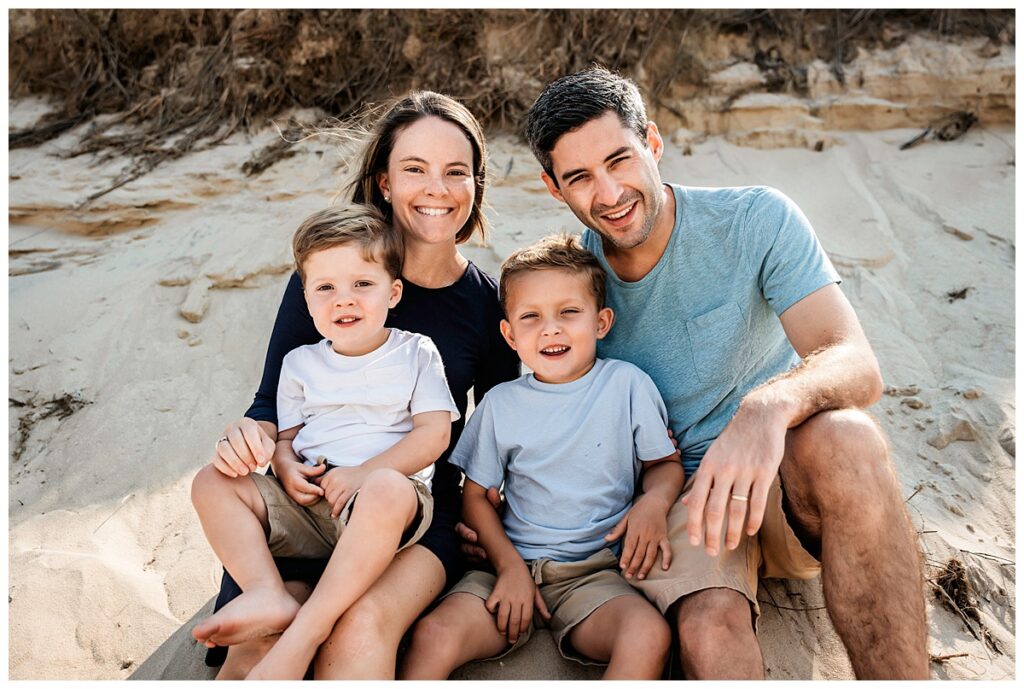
column 552, row 187
column 396, row 293
column 605, row 318
column 506, row 332
column 654, row 141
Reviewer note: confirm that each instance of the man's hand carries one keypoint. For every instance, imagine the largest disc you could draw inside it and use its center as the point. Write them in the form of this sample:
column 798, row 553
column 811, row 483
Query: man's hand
column 646, row 528
column 297, row 478
column 244, row 446
column 512, row 601
column 473, row 552
column 340, row 484
column 743, row 461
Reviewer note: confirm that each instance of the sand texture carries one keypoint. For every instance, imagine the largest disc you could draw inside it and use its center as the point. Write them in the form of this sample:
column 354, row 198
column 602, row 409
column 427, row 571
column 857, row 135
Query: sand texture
column 138, row 326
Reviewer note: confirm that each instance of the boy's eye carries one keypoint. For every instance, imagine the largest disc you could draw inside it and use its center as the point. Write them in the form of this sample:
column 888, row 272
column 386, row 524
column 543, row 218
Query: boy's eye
column 527, row 316
column 571, row 310
column 324, row 288
column 364, row 283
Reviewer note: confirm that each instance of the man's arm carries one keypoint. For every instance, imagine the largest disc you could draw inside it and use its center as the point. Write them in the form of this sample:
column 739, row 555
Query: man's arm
column 839, row 370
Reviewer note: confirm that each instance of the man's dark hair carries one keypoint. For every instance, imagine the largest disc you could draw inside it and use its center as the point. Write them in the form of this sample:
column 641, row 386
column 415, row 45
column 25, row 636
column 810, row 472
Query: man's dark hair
column 570, row 102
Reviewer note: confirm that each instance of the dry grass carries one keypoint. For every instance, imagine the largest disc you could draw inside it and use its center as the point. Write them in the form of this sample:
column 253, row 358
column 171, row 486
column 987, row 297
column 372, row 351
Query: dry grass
column 156, row 84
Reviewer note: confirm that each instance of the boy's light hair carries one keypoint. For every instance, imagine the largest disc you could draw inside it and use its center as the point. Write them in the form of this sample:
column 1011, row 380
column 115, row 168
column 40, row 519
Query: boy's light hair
column 554, row 251
column 353, row 223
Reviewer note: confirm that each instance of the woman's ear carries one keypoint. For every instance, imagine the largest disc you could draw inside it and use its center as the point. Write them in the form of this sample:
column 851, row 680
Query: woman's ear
column 384, row 186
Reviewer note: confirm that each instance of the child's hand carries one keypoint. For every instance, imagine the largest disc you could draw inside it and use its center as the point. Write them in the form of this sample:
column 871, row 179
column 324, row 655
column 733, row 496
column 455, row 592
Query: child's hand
column 297, row 479
column 340, row 484
column 646, row 529
column 512, row 601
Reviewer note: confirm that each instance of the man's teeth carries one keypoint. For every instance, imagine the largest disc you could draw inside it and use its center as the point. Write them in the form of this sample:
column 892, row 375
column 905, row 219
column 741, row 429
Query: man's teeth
column 554, row 350
column 622, row 214
column 433, row 211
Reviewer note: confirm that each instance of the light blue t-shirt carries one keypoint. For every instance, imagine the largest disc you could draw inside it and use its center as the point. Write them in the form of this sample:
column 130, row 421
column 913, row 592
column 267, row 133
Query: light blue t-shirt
column 703, row 324
column 569, row 454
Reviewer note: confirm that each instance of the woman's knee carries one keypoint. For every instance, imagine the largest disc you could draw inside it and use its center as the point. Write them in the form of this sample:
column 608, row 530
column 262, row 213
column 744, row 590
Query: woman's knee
column 208, row 483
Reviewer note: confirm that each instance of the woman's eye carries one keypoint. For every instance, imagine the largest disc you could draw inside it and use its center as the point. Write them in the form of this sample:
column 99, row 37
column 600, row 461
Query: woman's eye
column 458, row 173
column 414, row 169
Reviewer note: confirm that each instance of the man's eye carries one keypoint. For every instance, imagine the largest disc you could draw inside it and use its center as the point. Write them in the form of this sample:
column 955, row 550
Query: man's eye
column 618, row 160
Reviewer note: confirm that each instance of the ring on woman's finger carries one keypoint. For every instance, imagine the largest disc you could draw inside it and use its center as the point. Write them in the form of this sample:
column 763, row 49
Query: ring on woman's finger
column 222, row 439
column 740, row 498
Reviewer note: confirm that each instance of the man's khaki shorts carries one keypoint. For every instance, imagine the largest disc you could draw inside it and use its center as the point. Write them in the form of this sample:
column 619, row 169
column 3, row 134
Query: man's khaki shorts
column 571, row 590
column 774, row 552
column 311, row 532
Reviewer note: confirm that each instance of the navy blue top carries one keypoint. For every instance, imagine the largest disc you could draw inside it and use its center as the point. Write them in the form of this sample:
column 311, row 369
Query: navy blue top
column 462, row 319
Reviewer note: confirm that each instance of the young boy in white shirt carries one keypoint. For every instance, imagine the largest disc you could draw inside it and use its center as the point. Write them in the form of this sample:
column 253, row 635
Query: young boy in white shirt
column 368, row 411
column 570, row 441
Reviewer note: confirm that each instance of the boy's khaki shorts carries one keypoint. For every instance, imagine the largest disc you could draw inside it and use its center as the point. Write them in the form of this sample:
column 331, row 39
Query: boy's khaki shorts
column 571, row 590
column 774, row 552
column 311, row 532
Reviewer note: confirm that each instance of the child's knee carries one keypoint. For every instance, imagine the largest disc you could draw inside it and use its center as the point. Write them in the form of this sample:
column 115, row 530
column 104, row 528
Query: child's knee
column 436, row 634
column 646, row 630
column 388, row 488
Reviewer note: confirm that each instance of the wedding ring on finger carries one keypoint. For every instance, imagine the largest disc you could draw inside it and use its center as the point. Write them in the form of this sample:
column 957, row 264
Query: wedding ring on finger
column 740, row 498
column 222, row 439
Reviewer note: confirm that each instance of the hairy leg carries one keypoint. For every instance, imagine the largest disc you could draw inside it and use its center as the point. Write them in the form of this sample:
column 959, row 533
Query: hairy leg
column 459, row 630
column 234, row 519
column 386, row 506
column 842, row 491
column 242, row 657
column 364, row 642
column 628, row 633
column 716, row 636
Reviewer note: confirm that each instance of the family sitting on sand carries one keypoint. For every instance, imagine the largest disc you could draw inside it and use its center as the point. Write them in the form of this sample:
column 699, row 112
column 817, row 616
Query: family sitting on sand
column 704, row 319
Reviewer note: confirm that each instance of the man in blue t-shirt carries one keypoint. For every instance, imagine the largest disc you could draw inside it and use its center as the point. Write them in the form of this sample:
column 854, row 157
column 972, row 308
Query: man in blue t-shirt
column 726, row 299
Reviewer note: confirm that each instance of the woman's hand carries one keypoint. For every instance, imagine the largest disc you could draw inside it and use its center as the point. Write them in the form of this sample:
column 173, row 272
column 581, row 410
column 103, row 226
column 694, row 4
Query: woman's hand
column 244, row 446
column 474, row 552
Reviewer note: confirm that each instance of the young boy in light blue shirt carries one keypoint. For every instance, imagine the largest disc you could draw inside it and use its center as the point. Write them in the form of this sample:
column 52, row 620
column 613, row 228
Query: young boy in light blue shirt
column 571, row 442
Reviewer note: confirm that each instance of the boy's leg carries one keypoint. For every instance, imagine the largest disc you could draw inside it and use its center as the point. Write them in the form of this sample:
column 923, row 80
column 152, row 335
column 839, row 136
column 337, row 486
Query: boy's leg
column 386, row 505
column 242, row 657
column 234, row 519
column 459, row 630
column 629, row 634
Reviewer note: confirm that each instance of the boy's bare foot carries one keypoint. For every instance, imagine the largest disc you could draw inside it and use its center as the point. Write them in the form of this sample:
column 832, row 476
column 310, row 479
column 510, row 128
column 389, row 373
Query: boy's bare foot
column 255, row 613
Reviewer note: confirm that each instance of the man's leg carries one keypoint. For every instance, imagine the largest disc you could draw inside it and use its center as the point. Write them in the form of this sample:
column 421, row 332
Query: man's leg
column 842, row 492
column 459, row 630
column 364, row 642
column 716, row 636
column 629, row 634
column 234, row 519
column 386, row 506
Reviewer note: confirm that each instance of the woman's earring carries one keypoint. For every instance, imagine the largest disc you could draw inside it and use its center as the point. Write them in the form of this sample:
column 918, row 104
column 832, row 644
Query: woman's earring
column 387, row 199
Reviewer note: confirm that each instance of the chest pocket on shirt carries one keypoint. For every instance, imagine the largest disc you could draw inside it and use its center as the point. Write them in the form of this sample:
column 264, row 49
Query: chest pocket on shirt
column 387, row 395
column 719, row 344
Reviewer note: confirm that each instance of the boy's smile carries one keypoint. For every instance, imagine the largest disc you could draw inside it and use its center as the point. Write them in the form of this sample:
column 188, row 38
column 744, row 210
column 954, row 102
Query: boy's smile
column 349, row 298
column 554, row 323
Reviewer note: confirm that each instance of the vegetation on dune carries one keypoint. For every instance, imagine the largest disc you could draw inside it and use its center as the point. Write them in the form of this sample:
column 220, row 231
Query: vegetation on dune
column 156, row 84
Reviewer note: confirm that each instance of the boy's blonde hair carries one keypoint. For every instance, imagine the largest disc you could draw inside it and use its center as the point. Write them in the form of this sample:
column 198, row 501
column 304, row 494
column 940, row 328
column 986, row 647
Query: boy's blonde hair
column 554, row 251
column 353, row 223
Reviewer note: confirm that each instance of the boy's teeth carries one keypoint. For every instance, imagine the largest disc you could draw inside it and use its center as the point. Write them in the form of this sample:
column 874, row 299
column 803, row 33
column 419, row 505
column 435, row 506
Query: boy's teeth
column 347, row 320
column 555, row 350
column 434, row 211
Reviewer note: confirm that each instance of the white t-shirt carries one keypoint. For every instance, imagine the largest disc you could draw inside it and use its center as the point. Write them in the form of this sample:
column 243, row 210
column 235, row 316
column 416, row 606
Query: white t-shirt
column 355, row 407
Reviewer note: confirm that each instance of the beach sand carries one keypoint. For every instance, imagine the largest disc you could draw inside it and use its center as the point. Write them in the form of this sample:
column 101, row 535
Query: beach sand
column 138, row 327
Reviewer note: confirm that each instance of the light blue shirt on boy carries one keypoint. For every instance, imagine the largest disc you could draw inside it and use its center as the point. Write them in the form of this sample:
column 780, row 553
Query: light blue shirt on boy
column 703, row 323
column 569, row 455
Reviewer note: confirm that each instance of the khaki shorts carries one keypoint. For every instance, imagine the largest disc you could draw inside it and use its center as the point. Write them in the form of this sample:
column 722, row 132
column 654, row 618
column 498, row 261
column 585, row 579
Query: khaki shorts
column 571, row 590
column 773, row 553
column 311, row 532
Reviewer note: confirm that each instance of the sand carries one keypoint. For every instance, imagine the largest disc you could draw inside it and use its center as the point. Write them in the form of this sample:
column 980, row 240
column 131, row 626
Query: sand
column 146, row 316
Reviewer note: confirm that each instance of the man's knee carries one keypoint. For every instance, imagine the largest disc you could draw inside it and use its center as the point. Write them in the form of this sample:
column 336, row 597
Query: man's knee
column 836, row 455
column 712, row 621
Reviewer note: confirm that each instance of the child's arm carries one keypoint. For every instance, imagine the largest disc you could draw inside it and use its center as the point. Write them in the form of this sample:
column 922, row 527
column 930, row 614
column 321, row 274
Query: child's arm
column 646, row 524
column 292, row 473
column 515, row 594
column 421, row 446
